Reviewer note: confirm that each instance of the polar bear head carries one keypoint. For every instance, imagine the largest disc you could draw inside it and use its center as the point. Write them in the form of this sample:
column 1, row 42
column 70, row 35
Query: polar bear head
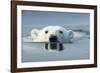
column 52, row 33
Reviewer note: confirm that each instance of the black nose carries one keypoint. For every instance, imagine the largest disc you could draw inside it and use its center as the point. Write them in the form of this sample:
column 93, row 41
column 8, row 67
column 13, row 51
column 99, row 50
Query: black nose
column 53, row 39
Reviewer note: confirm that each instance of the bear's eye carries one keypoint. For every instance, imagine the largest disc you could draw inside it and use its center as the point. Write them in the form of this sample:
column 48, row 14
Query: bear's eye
column 60, row 32
column 46, row 32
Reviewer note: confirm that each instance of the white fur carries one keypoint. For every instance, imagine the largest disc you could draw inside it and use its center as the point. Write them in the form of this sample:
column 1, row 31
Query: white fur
column 41, row 36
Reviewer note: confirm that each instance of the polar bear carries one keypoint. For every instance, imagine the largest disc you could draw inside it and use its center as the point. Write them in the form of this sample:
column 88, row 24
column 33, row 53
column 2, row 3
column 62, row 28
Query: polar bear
column 52, row 33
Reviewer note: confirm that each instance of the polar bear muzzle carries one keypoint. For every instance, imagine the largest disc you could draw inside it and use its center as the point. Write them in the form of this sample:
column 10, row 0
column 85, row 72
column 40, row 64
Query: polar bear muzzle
column 53, row 39
column 54, row 46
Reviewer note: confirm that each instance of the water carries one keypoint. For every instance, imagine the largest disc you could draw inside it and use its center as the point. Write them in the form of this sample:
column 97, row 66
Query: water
column 36, row 52
column 77, row 50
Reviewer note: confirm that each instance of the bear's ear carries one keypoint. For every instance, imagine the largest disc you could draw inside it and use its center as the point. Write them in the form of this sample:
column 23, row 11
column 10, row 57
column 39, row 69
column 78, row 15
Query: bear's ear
column 34, row 33
column 71, row 34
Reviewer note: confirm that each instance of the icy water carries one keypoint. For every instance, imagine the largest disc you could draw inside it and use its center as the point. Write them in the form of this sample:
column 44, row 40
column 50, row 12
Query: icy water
column 77, row 50
column 36, row 52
